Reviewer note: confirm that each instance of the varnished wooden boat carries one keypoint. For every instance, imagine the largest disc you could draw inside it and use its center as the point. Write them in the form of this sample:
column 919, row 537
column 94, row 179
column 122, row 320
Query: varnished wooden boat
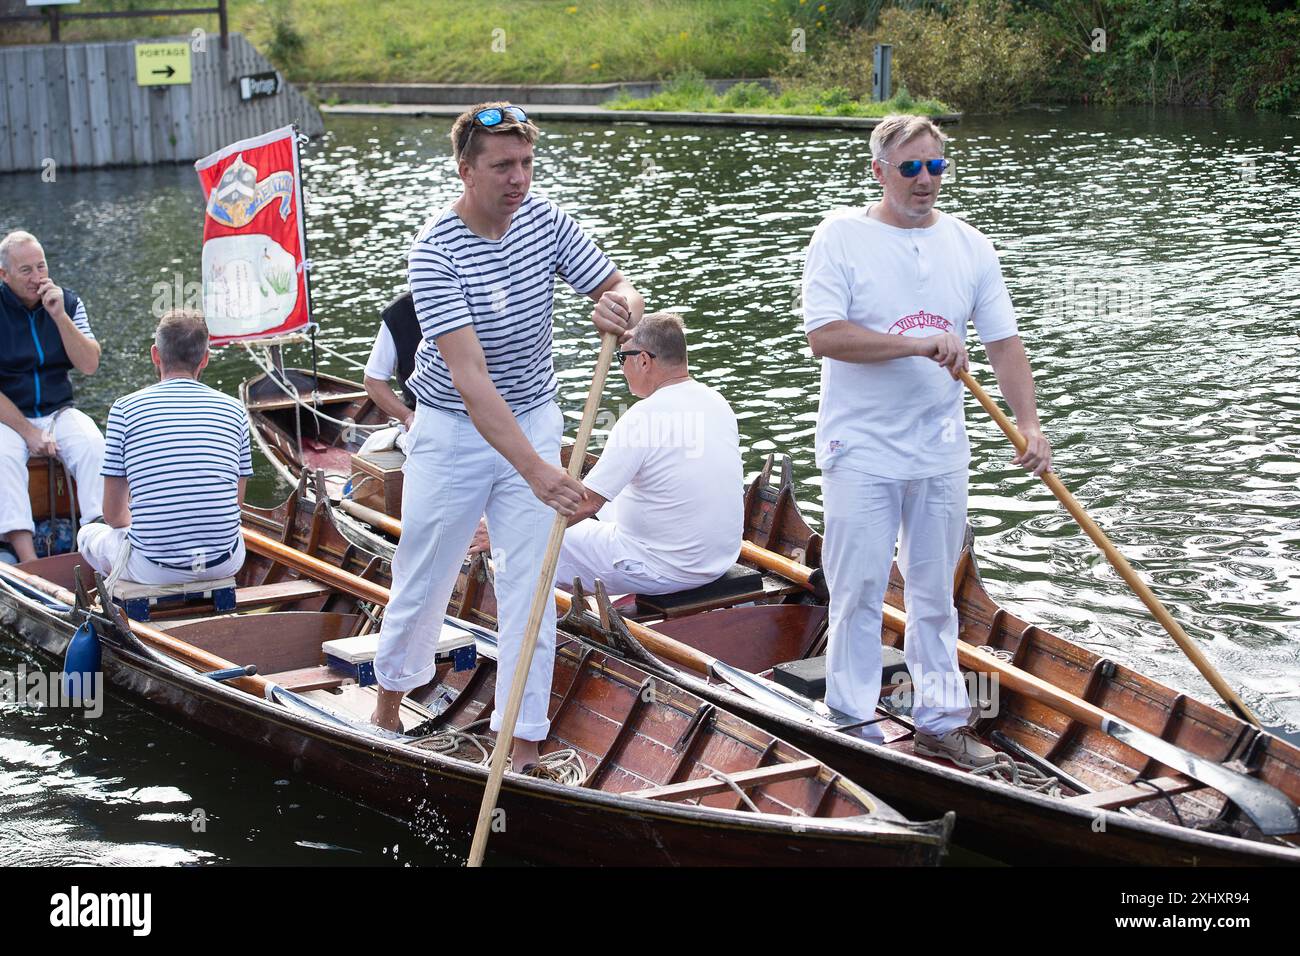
column 305, row 423
column 1107, row 811
column 668, row 778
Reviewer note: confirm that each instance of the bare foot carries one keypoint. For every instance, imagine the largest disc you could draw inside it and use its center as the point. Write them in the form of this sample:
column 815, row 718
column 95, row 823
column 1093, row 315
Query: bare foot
column 388, row 710
column 524, row 754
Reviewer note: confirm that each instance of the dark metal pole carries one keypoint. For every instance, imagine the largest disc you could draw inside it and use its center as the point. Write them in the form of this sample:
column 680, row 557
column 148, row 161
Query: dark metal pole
column 225, row 26
column 54, row 24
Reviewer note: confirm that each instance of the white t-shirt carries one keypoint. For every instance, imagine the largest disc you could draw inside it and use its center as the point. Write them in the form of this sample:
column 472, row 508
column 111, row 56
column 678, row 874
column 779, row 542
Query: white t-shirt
column 672, row 470
column 901, row 418
column 382, row 363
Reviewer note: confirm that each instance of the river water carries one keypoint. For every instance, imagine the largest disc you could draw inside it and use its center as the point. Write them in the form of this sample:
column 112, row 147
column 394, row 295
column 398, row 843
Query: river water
column 1154, row 260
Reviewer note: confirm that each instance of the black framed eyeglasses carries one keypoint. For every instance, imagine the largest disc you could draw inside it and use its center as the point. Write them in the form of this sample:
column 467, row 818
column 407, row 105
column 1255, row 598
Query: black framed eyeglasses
column 623, row 355
column 493, row 116
column 911, row 168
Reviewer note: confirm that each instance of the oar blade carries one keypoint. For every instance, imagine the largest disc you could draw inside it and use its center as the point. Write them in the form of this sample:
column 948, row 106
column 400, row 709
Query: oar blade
column 1268, row 807
column 772, row 696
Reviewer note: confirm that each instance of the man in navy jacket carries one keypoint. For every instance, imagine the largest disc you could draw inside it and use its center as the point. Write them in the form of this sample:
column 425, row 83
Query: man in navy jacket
column 44, row 334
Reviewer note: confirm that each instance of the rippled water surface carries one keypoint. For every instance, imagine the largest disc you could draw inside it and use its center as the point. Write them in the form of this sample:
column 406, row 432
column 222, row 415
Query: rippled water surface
column 1154, row 259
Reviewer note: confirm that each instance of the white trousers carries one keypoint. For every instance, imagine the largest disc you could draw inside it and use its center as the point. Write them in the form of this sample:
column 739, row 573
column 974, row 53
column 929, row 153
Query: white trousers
column 864, row 515
column 102, row 547
column 81, row 448
column 452, row 476
column 598, row 549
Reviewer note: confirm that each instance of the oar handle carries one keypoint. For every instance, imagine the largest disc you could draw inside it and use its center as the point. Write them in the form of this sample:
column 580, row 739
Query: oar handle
column 1117, row 560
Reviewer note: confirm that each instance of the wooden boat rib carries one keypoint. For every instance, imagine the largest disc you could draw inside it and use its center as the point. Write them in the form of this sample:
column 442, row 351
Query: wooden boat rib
column 670, row 778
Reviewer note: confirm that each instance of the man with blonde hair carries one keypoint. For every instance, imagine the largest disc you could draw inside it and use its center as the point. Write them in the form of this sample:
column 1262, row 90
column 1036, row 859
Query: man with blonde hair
column 44, row 334
column 888, row 292
column 176, row 462
column 486, row 433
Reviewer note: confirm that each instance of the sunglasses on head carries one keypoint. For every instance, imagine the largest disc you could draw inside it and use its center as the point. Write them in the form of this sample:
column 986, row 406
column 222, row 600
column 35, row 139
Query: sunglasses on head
column 910, row 168
column 493, row 116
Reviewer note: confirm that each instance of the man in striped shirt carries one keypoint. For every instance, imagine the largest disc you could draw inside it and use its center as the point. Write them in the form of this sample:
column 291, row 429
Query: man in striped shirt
column 177, row 458
column 486, row 434
column 44, row 334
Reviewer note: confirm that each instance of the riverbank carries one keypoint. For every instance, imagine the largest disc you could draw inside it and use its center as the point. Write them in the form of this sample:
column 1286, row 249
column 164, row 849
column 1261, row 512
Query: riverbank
column 545, row 111
column 975, row 55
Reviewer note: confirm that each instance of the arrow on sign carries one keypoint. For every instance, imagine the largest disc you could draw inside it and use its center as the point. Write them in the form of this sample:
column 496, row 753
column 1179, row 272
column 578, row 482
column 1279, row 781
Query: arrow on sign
column 167, row 72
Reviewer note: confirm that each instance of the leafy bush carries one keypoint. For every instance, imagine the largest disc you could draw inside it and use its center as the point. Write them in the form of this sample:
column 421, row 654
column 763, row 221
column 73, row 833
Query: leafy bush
column 1225, row 53
column 980, row 56
column 286, row 43
column 744, row 96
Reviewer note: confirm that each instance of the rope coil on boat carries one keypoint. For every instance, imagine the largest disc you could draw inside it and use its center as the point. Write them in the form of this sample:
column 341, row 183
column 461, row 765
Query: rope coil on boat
column 1021, row 775
column 565, row 767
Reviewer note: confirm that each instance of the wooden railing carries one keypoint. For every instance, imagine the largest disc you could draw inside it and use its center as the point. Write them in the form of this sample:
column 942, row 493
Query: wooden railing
column 55, row 16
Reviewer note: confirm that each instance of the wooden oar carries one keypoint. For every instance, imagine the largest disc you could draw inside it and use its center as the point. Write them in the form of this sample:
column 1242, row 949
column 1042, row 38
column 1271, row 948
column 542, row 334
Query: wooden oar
column 1270, row 809
column 196, row 657
column 1117, row 560
column 541, row 595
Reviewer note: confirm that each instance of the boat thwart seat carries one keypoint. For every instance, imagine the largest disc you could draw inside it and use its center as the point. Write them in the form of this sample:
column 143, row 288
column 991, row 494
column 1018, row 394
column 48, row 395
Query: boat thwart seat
column 139, row 600
column 738, row 581
column 355, row 656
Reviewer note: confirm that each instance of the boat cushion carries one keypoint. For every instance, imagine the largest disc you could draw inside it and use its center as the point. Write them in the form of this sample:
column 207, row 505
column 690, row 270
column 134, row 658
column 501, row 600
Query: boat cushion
column 136, row 599
column 808, row 676
column 739, row 579
column 355, row 656
column 125, row 589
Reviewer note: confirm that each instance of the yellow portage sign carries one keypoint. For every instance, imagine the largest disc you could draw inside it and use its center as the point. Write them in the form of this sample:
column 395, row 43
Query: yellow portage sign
column 158, row 64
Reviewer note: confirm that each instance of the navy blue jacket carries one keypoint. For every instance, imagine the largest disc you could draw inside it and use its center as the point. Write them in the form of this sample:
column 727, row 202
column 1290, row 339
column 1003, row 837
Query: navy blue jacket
column 34, row 365
column 404, row 327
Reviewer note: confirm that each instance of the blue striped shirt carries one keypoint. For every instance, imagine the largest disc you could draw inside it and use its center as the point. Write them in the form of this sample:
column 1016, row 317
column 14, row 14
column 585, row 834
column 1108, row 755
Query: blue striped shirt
column 82, row 321
column 505, row 289
column 182, row 447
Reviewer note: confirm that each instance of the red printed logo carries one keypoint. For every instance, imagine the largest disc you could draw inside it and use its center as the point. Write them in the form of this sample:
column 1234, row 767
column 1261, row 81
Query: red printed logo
column 919, row 323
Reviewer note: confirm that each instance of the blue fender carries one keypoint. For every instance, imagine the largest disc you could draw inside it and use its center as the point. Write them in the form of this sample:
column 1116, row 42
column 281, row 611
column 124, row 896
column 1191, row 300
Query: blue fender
column 80, row 665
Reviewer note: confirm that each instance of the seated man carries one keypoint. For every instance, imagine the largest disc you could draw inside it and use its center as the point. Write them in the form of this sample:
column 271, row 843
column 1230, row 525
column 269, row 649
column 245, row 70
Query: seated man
column 43, row 334
column 671, row 474
column 394, row 354
column 176, row 461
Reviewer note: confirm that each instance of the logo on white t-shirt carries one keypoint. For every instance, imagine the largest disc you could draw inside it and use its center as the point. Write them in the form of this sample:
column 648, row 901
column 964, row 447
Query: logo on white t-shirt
column 918, row 323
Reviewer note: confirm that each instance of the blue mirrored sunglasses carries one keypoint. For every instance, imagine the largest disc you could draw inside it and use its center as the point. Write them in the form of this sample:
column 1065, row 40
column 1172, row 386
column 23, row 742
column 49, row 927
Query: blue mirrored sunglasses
column 910, row 168
column 493, row 115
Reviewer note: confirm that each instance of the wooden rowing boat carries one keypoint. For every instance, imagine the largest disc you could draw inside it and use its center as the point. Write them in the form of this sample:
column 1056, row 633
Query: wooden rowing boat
column 1116, row 805
column 305, row 423
column 1107, row 811
column 665, row 776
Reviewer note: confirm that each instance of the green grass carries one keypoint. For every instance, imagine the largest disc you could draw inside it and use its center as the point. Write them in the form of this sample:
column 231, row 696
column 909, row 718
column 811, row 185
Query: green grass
column 449, row 41
column 689, row 93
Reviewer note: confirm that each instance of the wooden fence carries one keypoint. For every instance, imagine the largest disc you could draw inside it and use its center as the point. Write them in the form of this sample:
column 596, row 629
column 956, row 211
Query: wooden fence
column 78, row 105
